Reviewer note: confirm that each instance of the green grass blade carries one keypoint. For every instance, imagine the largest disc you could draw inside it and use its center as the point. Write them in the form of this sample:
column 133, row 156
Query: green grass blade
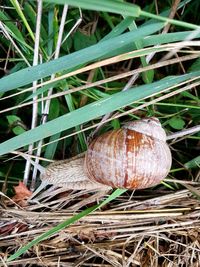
column 52, row 231
column 71, row 107
column 11, row 26
column 51, row 148
column 74, row 60
column 119, row 29
column 8, row 83
column 92, row 111
column 113, row 6
column 16, row 5
column 113, row 196
column 147, row 75
column 50, row 31
column 194, row 163
column 64, row 224
column 167, row 38
column 14, row 32
column 123, row 8
column 168, row 20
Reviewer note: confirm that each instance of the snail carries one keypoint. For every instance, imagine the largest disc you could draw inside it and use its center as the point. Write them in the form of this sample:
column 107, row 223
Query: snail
column 135, row 156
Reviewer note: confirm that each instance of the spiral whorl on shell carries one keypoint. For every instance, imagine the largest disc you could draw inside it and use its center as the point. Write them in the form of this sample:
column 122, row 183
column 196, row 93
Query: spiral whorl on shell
column 133, row 157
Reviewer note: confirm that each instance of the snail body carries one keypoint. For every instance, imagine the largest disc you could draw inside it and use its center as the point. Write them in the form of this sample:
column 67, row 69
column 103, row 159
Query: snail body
column 70, row 174
column 133, row 157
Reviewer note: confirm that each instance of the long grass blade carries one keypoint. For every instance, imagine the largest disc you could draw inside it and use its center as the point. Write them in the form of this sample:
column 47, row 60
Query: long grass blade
column 74, row 60
column 123, row 8
column 113, row 6
column 92, row 111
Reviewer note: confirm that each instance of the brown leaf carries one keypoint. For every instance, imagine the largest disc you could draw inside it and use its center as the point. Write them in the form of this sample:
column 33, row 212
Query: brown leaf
column 14, row 227
column 21, row 194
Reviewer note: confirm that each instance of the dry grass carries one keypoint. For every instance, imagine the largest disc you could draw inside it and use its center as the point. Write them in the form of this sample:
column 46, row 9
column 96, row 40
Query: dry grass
column 146, row 228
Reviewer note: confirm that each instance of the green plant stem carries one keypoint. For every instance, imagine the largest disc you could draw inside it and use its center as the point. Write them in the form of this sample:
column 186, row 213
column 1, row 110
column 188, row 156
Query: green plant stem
column 16, row 5
column 168, row 20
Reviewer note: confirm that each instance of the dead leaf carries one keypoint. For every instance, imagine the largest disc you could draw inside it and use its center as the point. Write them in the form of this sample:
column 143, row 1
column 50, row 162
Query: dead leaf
column 13, row 228
column 21, row 194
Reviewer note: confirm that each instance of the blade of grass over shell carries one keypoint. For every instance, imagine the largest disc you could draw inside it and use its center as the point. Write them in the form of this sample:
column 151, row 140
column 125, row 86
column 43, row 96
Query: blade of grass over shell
column 64, row 224
column 123, row 8
column 74, row 60
column 92, row 111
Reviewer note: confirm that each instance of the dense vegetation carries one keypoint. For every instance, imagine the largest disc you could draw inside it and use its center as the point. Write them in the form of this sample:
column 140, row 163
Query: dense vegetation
column 71, row 73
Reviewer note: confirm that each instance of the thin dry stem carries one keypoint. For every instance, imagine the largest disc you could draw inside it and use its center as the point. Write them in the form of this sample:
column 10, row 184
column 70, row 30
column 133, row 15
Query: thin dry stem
column 7, row 35
column 185, row 132
column 50, row 91
column 35, row 104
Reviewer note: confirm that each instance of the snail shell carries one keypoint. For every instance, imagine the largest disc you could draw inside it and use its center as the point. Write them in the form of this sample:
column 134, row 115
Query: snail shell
column 133, row 157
